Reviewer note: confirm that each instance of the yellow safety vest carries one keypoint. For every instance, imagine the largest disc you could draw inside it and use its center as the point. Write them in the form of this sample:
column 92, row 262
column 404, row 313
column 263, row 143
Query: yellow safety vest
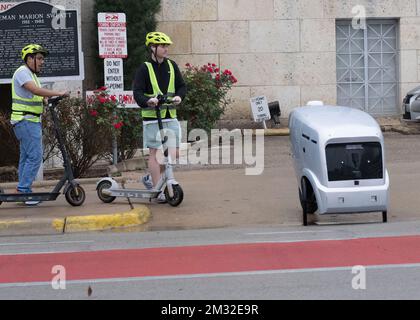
column 22, row 107
column 151, row 113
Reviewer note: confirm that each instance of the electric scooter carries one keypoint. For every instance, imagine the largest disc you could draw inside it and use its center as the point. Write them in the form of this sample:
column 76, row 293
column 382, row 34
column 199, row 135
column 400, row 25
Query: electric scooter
column 74, row 193
column 108, row 189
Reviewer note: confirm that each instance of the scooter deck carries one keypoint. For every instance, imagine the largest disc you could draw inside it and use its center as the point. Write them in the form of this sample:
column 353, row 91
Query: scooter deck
column 22, row 197
column 132, row 193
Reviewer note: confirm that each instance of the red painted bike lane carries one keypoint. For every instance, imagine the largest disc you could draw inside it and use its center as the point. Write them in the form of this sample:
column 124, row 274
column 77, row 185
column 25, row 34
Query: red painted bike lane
column 211, row 259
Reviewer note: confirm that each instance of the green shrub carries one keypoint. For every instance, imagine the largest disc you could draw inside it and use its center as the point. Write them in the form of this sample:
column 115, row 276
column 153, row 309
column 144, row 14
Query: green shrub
column 207, row 99
column 124, row 124
column 85, row 140
column 9, row 155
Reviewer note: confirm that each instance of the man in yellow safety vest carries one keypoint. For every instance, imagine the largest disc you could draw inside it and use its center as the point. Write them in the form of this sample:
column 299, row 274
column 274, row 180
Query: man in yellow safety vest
column 27, row 107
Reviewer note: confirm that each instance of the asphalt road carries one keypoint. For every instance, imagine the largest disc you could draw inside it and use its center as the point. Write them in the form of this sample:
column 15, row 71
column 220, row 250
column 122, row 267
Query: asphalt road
column 245, row 264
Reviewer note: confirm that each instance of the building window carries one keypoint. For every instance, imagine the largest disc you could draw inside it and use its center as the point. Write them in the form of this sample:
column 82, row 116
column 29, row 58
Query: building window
column 367, row 76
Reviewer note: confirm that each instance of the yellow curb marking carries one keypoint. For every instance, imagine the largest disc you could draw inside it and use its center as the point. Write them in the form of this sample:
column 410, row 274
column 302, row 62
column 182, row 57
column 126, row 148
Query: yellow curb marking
column 276, row 132
column 271, row 132
column 12, row 223
column 132, row 218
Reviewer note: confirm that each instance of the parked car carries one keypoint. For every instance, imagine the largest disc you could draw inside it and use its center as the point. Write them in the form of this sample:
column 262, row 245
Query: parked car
column 411, row 105
column 339, row 160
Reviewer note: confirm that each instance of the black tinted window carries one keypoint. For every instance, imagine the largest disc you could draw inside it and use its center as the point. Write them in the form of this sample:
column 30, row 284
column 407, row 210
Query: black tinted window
column 354, row 161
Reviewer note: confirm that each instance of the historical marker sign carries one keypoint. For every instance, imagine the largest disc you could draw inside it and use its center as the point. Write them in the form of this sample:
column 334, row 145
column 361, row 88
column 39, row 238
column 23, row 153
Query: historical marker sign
column 53, row 27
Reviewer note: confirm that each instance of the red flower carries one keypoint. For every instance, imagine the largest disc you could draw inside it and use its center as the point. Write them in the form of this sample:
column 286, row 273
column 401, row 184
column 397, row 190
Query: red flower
column 113, row 98
column 102, row 100
column 93, row 113
column 125, row 98
column 118, row 125
column 102, row 88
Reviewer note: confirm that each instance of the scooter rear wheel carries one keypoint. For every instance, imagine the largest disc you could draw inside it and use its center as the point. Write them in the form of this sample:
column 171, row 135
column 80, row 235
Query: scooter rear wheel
column 104, row 185
column 176, row 200
column 76, row 196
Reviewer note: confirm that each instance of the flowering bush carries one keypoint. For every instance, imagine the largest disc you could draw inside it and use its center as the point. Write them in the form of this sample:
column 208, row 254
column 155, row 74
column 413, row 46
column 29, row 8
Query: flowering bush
column 103, row 107
column 206, row 100
column 109, row 113
column 83, row 137
column 9, row 155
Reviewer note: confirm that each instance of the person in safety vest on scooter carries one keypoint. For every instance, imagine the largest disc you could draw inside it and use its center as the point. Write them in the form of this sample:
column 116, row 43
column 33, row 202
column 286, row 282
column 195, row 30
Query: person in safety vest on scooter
column 27, row 107
column 159, row 76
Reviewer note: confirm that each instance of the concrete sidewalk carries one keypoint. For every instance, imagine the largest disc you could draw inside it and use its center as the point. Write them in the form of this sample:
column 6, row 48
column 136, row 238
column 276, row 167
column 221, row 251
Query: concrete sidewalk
column 59, row 216
column 218, row 196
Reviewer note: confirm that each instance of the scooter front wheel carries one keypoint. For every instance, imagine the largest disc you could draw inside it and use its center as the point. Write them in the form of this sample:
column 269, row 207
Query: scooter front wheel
column 176, row 200
column 76, row 196
column 104, row 185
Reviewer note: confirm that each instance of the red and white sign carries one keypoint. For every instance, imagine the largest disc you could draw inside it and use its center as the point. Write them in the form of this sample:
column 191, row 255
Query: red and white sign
column 112, row 30
column 114, row 74
column 126, row 98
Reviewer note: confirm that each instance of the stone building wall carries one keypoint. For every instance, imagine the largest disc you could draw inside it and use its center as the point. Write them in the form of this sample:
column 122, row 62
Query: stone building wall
column 284, row 49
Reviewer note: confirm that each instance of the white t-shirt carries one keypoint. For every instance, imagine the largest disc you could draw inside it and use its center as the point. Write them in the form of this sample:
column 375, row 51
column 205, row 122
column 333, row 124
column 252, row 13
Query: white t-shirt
column 22, row 77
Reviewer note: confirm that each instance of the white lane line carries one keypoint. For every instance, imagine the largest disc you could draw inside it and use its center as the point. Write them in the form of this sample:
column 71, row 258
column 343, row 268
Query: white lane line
column 42, row 243
column 303, row 240
column 208, row 276
column 287, row 232
column 49, row 244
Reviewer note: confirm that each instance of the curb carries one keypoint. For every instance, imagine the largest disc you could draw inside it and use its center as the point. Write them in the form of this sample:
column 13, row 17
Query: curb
column 270, row 132
column 277, row 132
column 133, row 218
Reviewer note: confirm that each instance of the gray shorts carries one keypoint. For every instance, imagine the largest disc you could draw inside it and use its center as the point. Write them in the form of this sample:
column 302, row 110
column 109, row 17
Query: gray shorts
column 152, row 138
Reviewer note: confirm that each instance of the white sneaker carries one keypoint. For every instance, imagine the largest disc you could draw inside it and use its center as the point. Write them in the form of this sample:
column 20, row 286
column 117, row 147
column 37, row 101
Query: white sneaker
column 147, row 181
column 32, row 203
column 161, row 198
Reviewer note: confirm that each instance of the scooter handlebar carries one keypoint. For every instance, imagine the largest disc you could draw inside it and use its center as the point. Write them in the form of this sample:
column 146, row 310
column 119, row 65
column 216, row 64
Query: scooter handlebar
column 162, row 99
column 55, row 101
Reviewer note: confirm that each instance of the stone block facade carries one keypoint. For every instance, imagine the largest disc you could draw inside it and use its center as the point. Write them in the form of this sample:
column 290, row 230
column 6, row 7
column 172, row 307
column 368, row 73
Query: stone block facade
column 284, row 49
